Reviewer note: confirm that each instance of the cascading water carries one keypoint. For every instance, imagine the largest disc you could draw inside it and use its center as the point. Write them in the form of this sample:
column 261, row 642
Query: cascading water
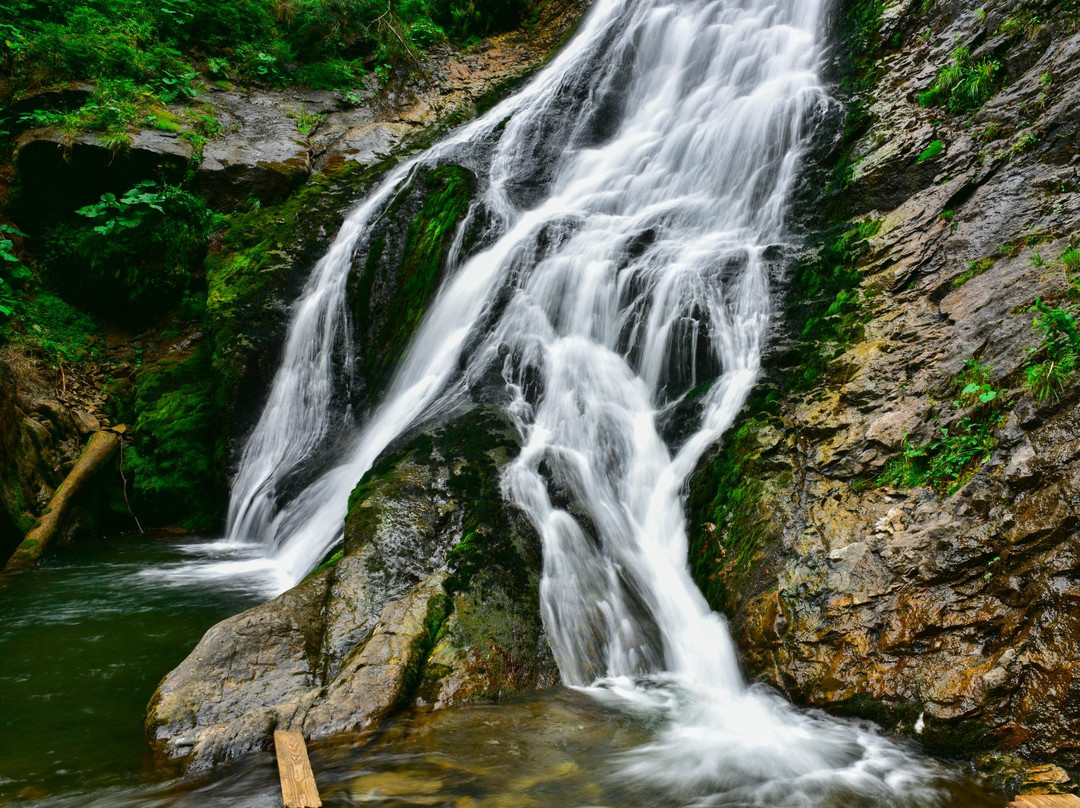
column 631, row 193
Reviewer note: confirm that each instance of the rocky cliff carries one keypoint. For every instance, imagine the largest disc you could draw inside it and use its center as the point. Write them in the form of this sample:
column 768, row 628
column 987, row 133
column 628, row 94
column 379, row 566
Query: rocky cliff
column 893, row 526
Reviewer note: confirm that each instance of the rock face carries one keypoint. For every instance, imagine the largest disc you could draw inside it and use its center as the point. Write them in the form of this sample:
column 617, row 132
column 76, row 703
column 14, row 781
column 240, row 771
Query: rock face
column 850, row 586
column 40, row 439
column 432, row 601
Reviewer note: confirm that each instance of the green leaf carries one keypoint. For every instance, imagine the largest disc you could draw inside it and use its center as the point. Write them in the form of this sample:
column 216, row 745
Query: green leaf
column 971, row 388
column 989, row 395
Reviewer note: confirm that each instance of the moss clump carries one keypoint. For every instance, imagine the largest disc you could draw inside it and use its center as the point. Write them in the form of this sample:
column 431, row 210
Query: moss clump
column 974, row 270
column 935, row 148
column 172, row 462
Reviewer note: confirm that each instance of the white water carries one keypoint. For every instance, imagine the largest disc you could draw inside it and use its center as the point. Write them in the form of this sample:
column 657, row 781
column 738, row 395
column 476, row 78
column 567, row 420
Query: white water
column 633, row 189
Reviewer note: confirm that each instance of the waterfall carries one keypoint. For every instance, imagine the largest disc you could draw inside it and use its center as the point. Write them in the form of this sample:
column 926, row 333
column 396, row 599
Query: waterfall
column 631, row 194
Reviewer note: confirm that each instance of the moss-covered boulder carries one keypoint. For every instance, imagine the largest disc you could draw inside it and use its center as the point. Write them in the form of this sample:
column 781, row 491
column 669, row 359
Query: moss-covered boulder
column 399, row 268
column 171, row 464
column 432, row 600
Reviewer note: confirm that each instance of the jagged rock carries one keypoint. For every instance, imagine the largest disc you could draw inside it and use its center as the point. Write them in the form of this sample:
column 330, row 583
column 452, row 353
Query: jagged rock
column 890, row 602
column 433, row 602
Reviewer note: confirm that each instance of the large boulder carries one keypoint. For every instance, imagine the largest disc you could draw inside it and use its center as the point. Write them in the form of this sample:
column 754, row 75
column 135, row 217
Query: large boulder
column 432, row 601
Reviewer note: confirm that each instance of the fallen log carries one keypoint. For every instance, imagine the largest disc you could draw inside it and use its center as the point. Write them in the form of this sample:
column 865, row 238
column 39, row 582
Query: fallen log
column 98, row 450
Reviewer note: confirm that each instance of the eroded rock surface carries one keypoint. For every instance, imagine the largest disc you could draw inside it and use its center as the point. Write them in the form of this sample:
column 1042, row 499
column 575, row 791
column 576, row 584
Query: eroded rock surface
column 433, row 601
column 896, row 602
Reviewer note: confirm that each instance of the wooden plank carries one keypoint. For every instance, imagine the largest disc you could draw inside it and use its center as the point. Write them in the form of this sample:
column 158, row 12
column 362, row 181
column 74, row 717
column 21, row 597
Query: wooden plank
column 298, row 788
column 1045, row 801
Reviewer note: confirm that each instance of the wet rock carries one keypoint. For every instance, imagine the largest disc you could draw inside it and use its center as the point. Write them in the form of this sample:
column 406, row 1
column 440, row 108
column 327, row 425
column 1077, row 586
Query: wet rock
column 893, row 603
column 434, row 601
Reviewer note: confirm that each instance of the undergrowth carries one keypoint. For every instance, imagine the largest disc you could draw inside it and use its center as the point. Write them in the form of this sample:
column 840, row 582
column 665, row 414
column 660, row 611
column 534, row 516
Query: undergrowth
column 945, row 463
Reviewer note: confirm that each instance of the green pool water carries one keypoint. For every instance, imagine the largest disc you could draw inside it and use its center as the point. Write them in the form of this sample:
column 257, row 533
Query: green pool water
column 84, row 640
column 86, row 637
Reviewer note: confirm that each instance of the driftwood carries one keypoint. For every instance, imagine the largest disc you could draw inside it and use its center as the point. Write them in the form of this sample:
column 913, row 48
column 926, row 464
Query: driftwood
column 98, row 450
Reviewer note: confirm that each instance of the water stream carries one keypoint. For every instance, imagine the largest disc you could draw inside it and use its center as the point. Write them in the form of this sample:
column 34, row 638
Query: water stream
column 634, row 194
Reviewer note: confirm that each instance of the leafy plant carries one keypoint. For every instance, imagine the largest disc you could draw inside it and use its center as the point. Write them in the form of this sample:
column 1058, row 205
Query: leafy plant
column 964, row 84
column 140, row 247
column 12, row 271
column 1058, row 350
column 946, row 462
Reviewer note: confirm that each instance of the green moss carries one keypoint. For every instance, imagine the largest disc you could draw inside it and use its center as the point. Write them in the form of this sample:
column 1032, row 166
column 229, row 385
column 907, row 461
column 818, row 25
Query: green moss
column 438, row 611
column 56, row 329
column 172, row 461
column 949, row 461
column 727, row 525
column 974, row 270
column 935, row 148
column 254, row 271
column 825, row 303
column 390, row 324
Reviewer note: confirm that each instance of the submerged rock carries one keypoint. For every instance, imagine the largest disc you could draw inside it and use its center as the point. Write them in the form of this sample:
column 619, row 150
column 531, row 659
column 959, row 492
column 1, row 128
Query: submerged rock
column 432, row 601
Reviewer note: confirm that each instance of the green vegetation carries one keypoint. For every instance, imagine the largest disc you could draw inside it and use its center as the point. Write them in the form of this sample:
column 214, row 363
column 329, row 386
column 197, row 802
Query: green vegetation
column 947, row 462
column 964, row 85
column 974, row 270
column 56, row 330
column 447, row 192
column 162, row 48
column 172, row 461
column 727, row 525
column 13, row 274
column 826, row 301
column 930, row 152
column 140, row 250
column 1053, row 362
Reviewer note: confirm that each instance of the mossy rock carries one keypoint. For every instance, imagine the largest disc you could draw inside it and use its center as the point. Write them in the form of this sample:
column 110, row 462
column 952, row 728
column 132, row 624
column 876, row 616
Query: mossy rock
column 399, row 268
column 435, row 502
column 174, row 478
column 254, row 272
